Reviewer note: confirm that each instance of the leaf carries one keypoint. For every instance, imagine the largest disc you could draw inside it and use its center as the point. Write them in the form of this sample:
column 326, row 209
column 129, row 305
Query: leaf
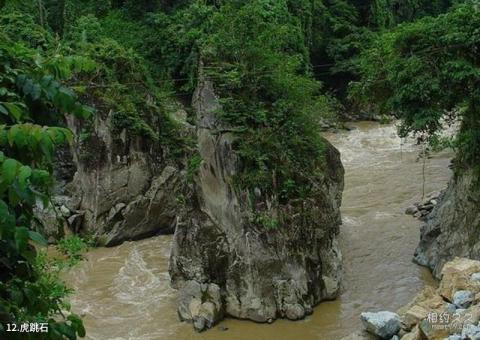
column 46, row 80
column 20, row 137
column 9, row 170
column 3, row 135
column 77, row 324
column 46, row 146
column 14, row 110
column 65, row 99
column 40, row 177
column 21, row 79
column 12, row 134
column 3, row 109
column 21, row 237
column 23, row 174
column 68, row 135
column 37, row 237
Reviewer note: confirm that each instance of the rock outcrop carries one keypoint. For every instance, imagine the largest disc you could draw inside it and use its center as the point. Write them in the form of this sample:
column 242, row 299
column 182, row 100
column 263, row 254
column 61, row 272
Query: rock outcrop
column 124, row 186
column 262, row 274
column 453, row 227
column 421, row 210
column 116, row 186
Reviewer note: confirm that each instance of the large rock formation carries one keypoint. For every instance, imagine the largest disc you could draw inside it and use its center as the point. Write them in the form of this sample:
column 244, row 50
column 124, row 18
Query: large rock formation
column 124, row 186
column 225, row 263
column 453, row 227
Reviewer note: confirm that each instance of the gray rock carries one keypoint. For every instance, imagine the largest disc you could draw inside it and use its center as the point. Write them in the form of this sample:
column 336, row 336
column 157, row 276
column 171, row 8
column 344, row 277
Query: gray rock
column 463, row 298
column 382, row 324
column 424, row 212
column 433, row 195
column 450, row 229
column 475, row 277
column 53, row 221
column 294, row 312
column 412, row 210
column 450, row 308
column 200, row 304
column 418, row 214
column 395, row 337
column 262, row 274
column 471, row 332
column 124, row 184
column 75, row 221
column 65, row 211
column 455, row 337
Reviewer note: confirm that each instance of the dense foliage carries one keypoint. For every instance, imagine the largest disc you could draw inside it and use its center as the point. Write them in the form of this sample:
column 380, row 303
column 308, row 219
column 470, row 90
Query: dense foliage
column 256, row 55
column 428, row 74
column 31, row 94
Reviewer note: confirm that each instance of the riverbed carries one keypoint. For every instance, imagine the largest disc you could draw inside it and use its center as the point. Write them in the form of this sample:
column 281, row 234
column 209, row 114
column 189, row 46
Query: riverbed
column 124, row 293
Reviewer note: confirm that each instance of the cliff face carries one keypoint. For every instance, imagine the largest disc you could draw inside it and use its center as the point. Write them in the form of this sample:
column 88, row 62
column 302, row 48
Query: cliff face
column 223, row 263
column 453, row 227
column 124, row 188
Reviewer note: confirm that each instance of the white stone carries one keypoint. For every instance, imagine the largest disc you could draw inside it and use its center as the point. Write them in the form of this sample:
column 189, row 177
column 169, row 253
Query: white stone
column 463, row 298
column 475, row 277
column 383, row 324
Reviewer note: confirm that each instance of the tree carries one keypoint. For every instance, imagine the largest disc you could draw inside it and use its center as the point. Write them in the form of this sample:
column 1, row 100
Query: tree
column 427, row 73
column 30, row 90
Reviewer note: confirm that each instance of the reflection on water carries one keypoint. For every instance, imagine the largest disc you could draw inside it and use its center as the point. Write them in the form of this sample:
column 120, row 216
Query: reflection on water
column 124, row 292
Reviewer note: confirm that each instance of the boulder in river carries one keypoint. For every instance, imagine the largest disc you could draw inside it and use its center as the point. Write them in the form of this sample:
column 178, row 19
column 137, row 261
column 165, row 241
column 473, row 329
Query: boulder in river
column 263, row 273
column 382, row 324
column 200, row 304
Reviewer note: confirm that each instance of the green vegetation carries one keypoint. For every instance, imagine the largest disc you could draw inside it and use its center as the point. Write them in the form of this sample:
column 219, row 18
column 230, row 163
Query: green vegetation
column 428, row 74
column 193, row 166
column 31, row 94
column 72, row 246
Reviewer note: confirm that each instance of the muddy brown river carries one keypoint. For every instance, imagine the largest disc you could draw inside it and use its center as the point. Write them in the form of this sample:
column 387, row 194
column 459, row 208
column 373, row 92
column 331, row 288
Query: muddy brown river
column 124, row 292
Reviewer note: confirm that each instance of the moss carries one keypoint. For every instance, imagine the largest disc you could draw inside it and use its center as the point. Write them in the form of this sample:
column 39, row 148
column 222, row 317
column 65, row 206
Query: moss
column 133, row 124
column 266, row 220
column 193, row 166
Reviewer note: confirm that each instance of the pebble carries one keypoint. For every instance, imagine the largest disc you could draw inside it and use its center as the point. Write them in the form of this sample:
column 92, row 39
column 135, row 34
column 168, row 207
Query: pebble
column 451, row 308
column 471, row 332
column 463, row 298
column 222, row 328
column 475, row 277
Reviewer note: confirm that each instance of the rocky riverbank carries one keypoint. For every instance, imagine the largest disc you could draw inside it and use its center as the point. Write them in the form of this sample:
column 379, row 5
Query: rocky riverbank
column 452, row 311
column 422, row 209
column 453, row 227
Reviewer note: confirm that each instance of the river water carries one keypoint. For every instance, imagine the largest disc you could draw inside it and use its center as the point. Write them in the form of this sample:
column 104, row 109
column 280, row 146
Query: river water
column 124, row 292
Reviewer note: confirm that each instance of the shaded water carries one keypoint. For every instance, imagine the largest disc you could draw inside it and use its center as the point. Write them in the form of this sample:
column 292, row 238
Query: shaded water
column 124, row 292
